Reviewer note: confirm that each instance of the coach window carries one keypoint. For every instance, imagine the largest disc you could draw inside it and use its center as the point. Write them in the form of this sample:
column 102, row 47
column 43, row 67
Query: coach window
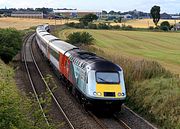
column 54, row 54
column 44, row 45
column 66, row 64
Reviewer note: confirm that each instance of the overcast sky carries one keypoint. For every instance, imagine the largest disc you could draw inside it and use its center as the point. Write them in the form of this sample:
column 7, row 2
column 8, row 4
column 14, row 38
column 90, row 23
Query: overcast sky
column 169, row 6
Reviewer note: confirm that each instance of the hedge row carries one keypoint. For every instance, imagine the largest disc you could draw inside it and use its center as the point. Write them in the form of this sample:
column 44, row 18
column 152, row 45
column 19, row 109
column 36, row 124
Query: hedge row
column 10, row 43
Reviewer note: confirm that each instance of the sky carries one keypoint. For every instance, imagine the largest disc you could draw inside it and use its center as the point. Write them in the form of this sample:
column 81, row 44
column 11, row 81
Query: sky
column 169, row 6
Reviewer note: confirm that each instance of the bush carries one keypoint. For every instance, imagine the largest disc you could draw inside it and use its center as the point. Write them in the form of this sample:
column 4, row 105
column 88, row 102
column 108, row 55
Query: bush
column 88, row 18
column 103, row 26
column 79, row 25
column 158, row 99
column 92, row 26
column 116, row 27
column 120, row 20
column 12, row 115
column 10, row 44
column 151, row 28
column 71, row 24
column 80, row 38
column 129, row 27
column 16, row 110
column 165, row 26
column 115, row 21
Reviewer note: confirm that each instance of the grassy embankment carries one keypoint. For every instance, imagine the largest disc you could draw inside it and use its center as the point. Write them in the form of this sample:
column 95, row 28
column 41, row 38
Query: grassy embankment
column 16, row 110
column 14, row 107
column 152, row 91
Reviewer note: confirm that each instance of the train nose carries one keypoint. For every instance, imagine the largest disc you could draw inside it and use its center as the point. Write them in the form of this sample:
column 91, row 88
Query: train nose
column 109, row 90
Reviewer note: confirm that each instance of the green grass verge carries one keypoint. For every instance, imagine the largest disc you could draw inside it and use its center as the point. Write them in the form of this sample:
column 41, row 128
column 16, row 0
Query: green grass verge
column 16, row 110
column 159, row 99
column 13, row 109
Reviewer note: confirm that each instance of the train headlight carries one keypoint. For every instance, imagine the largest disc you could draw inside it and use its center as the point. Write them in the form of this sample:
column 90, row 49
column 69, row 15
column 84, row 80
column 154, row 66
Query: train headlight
column 121, row 94
column 94, row 93
column 99, row 93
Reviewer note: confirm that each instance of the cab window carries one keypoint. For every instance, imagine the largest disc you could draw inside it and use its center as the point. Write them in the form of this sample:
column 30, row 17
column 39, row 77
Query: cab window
column 107, row 77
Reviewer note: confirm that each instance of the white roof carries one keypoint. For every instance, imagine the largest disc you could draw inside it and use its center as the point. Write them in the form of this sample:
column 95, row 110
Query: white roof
column 62, row 46
column 54, row 42
column 76, row 11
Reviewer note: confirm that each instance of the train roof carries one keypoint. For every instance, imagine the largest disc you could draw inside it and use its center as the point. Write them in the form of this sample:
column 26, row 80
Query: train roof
column 88, row 60
column 62, row 46
column 54, row 42
column 84, row 59
column 50, row 38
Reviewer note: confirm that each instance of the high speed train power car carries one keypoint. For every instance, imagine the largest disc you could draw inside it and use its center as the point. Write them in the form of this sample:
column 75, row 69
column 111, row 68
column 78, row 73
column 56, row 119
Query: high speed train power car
column 95, row 80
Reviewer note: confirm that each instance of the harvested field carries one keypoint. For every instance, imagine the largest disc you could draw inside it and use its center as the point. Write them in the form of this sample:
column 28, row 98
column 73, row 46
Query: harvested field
column 144, row 23
column 25, row 23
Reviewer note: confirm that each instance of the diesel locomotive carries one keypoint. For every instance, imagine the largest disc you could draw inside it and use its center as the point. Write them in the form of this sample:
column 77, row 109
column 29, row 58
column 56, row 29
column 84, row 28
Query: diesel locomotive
column 95, row 80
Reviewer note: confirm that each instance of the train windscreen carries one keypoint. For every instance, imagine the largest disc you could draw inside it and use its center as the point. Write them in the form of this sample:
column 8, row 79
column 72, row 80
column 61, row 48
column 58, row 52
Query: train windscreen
column 107, row 77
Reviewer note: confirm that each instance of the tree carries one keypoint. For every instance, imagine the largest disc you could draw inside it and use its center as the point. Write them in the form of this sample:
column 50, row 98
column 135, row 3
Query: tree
column 165, row 26
column 80, row 38
column 88, row 18
column 44, row 10
column 104, row 12
column 155, row 13
column 10, row 44
column 112, row 12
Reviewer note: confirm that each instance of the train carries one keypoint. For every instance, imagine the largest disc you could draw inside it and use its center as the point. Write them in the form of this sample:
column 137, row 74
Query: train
column 93, row 79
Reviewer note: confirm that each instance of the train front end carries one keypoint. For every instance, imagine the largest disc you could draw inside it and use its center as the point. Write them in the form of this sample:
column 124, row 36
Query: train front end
column 106, row 86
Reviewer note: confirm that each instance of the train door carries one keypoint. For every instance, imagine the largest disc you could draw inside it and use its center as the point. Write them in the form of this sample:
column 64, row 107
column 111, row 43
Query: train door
column 48, row 52
column 61, row 60
column 66, row 67
column 65, row 64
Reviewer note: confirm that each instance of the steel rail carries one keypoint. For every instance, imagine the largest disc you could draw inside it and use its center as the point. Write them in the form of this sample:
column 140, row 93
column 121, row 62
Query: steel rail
column 50, row 91
column 121, row 122
column 30, row 78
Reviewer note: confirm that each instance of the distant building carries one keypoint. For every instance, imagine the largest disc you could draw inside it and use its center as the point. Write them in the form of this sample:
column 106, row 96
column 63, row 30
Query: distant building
column 128, row 16
column 71, row 13
column 165, row 16
column 175, row 17
column 27, row 14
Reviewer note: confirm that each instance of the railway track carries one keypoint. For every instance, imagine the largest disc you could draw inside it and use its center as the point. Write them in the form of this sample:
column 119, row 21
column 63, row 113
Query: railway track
column 109, row 122
column 115, row 120
column 27, row 45
column 29, row 60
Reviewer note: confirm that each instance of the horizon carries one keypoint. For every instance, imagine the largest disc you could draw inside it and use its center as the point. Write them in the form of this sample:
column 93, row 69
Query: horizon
column 168, row 6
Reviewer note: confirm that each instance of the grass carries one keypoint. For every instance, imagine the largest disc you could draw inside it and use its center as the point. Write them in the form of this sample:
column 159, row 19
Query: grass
column 160, row 101
column 12, row 115
column 159, row 46
column 17, row 111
